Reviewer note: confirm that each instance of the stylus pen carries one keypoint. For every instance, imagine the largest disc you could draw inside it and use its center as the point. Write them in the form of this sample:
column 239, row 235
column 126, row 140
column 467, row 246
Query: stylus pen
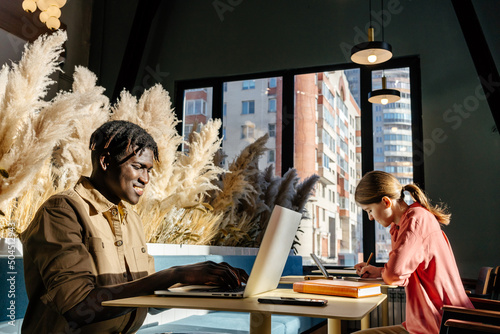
column 367, row 263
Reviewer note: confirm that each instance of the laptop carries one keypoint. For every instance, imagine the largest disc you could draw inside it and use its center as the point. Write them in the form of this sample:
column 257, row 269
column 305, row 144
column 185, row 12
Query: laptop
column 269, row 262
column 348, row 274
column 320, row 266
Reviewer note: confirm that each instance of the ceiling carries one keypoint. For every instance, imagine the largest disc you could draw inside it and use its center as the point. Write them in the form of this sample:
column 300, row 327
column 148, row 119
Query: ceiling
column 482, row 36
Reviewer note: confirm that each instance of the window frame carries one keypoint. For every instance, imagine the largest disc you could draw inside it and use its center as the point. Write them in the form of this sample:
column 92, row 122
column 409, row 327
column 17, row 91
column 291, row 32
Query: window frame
column 248, row 84
column 250, row 110
column 288, row 108
column 413, row 63
column 274, row 108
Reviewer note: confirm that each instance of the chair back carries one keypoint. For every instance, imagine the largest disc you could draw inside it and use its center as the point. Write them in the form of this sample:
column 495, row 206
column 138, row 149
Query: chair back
column 484, row 281
column 495, row 289
column 485, row 318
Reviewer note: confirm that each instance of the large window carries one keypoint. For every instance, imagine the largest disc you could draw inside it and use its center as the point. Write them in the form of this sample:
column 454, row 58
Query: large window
column 197, row 109
column 393, row 144
column 331, row 130
column 324, row 101
column 255, row 111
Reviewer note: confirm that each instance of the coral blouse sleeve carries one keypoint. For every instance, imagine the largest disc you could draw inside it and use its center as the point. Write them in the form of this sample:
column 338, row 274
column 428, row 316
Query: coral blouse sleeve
column 407, row 252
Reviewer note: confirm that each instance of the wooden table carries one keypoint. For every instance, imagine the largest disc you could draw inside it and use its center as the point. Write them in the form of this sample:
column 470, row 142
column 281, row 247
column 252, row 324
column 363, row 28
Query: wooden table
column 337, row 309
column 384, row 287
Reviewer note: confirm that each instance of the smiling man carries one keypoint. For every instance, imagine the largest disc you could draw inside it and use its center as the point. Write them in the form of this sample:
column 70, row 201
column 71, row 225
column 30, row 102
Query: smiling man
column 85, row 246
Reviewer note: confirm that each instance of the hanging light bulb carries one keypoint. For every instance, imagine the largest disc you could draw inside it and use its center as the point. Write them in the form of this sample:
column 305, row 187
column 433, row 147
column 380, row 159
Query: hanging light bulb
column 29, row 6
column 372, row 58
column 53, row 23
column 50, row 11
column 54, row 11
column 43, row 5
column 384, row 95
column 60, row 3
column 44, row 16
column 371, row 52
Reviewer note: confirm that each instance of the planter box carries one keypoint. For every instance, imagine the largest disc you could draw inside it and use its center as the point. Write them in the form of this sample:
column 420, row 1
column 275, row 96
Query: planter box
column 11, row 246
column 173, row 249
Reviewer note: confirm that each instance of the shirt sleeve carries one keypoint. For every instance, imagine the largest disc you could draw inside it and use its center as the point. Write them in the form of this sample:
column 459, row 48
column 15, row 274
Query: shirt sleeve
column 54, row 241
column 407, row 253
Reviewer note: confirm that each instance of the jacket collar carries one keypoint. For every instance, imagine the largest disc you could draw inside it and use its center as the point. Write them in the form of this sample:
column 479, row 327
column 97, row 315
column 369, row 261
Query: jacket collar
column 86, row 190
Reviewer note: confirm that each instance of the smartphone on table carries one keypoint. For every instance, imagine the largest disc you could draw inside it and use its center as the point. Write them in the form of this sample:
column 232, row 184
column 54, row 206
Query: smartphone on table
column 293, row 301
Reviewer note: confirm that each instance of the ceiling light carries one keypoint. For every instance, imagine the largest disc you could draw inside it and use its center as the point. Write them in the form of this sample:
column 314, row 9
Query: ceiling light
column 53, row 23
column 54, row 11
column 44, row 16
column 42, row 4
column 29, row 6
column 50, row 11
column 372, row 52
column 384, row 95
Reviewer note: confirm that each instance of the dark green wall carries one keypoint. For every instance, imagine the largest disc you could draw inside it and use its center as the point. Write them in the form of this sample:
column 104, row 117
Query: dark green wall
column 191, row 39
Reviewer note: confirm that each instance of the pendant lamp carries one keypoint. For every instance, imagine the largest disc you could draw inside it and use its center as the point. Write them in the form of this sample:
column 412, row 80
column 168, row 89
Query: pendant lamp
column 372, row 52
column 384, row 95
column 50, row 11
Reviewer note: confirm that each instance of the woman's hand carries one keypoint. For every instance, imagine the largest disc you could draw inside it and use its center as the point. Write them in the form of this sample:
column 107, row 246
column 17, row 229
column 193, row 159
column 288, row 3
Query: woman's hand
column 369, row 271
column 211, row 273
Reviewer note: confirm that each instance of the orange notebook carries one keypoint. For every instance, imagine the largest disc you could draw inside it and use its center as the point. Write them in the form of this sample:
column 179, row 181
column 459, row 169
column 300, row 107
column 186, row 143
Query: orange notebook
column 338, row 287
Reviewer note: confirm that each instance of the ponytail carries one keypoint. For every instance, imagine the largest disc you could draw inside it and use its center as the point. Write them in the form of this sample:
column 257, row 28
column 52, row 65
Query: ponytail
column 377, row 184
column 439, row 211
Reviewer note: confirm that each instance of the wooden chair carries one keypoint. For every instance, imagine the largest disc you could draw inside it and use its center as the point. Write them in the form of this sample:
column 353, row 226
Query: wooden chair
column 454, row 326
column 482, row 286
column 495, row 289
column 484, row 319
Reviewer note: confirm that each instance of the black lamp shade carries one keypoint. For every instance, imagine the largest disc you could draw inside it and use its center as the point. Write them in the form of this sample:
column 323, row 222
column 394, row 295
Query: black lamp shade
column 376, row 96
column 360, row 52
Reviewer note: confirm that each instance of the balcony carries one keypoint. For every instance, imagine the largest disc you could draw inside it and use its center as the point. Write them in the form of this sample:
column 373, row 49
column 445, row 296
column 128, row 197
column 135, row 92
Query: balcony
column 326, row 175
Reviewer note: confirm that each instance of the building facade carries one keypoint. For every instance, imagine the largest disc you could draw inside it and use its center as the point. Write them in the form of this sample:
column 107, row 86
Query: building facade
column 327, row 143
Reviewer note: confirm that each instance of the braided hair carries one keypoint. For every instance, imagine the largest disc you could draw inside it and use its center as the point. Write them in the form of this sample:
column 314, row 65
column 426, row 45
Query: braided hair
column 120, row 139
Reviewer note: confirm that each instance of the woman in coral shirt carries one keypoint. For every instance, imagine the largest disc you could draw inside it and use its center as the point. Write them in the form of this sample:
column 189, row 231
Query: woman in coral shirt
column 421, row 259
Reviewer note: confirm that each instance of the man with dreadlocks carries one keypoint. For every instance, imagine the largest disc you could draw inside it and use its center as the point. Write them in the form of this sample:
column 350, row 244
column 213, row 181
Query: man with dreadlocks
column 84, row 247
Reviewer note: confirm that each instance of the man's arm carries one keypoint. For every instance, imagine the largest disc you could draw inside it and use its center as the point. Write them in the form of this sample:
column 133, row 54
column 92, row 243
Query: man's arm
column 54, row 241
column 90, row 310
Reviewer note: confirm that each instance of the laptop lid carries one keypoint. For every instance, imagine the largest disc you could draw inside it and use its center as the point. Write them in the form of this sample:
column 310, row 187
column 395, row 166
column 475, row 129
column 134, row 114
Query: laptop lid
column 320, row 265
column 269, row 262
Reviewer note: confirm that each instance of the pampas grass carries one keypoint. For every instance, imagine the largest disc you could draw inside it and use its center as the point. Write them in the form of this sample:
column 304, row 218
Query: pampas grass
column 25, row 85
column 188, row 184
column 71, row 157
column 29, row 127
column 190, row 199
column 173, row 207
column 43, row 142
column 248, row 195
column 22, row 89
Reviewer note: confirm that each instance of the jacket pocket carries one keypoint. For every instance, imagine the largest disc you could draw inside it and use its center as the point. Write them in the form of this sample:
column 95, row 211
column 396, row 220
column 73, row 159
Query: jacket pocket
column 141, row 260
